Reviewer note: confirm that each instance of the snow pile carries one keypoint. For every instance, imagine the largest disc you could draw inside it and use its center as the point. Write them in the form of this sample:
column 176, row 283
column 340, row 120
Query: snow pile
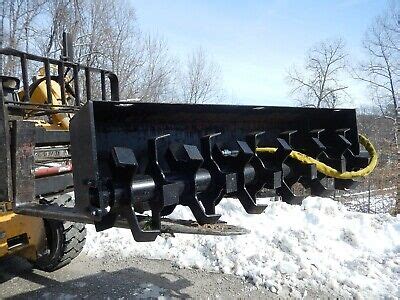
column 319, row 247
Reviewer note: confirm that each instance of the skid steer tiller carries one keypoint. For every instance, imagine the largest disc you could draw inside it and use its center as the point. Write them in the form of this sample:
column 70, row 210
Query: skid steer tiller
column 131, row 164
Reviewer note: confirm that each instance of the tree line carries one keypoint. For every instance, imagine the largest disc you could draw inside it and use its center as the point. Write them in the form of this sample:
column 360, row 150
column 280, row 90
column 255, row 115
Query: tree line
column 106, row 34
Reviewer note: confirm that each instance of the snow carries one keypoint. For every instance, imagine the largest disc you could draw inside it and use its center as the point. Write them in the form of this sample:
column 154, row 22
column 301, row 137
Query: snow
column 318, row 247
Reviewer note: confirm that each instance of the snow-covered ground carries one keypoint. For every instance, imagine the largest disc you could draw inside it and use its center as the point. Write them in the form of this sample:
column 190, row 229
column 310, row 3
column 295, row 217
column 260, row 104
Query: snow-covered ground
column 319, row 247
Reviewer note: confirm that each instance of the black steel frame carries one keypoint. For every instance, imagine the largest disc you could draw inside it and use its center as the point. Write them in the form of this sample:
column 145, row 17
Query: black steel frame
column 62, row 65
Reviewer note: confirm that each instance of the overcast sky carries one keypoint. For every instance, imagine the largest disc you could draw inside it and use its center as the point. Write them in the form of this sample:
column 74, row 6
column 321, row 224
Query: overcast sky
column 255, row 42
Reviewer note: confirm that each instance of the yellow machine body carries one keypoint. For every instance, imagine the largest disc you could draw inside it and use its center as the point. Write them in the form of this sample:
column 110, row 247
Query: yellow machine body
column 25, row 235
column 39, row 96
column 19, row 234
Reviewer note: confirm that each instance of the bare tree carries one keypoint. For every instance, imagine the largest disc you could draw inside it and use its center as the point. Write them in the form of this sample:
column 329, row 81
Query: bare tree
column 317, row 83
column 125, row 48
column 62, row 15
column 200, row 79
column 106, row 35
column 2, row 17
column 18, row 19
column 381, row 72
column 157, row 73
column 109, row 38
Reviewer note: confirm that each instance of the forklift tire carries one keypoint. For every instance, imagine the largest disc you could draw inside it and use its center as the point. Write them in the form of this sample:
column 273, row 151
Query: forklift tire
column 65, row 240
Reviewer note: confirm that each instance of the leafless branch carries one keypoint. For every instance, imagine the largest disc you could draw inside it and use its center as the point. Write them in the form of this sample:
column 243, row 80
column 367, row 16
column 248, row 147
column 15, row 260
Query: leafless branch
column 318, row 83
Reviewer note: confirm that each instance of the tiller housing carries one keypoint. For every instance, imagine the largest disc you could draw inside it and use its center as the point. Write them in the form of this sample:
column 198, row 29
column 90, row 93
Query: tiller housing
column 128, row 159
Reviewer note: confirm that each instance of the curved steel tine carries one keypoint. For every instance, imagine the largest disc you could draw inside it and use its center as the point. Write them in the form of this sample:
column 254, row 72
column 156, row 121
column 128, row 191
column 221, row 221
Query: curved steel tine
column 253, row 138
column 198, row 211
column 288, row 196
column 248, row 202
column 138, row 233
column 318, row 189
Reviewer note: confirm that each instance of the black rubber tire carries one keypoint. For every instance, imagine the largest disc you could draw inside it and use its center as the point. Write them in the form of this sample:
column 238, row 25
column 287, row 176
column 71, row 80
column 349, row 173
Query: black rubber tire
column 65, row 240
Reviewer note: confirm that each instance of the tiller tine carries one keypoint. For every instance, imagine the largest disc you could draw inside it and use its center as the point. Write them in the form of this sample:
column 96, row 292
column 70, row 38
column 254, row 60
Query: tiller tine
column 178, row 165
column 246, row 174
column 223, row 179
column 315, row 148
column 293, row 171
column 266, row 175
column 340, row 156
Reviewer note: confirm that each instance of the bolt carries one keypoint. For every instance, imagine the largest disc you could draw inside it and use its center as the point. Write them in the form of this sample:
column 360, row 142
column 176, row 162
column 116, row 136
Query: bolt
column 91, row 183
column 227, row 152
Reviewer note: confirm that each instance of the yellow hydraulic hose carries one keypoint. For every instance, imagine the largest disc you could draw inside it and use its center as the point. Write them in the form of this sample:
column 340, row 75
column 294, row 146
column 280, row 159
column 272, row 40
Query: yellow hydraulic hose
column 329, row 171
